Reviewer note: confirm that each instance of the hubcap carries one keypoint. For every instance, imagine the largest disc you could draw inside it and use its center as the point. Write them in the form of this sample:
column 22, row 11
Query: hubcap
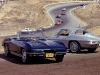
column 74, row 47
column 24, row 56
column 6, row 50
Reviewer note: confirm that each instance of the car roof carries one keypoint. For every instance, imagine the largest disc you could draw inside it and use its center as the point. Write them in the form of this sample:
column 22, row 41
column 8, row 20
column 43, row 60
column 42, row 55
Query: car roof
column 72, row 30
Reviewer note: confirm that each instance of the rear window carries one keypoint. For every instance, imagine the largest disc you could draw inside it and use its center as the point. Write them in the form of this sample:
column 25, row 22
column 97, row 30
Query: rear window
column 81, row 32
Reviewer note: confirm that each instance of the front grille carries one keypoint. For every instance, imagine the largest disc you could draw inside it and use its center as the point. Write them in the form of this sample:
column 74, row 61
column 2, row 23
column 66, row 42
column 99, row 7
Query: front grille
column 49, row 51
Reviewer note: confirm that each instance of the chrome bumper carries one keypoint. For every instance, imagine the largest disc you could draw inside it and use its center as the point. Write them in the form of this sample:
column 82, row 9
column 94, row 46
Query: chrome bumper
column 43, row 54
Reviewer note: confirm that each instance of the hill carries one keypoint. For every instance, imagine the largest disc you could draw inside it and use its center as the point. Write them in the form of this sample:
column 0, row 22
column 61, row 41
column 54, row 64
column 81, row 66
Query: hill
column 17, row 15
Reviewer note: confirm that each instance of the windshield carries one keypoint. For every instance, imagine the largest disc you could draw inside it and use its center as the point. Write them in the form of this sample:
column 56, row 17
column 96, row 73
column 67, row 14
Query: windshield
column 31, row 34
column 26, row 34
column 39, row 35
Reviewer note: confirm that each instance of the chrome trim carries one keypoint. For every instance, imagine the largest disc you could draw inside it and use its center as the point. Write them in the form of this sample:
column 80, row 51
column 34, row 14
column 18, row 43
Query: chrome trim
column 17, row 54
column 43, row 53
column 61, row 52
column 37, row 53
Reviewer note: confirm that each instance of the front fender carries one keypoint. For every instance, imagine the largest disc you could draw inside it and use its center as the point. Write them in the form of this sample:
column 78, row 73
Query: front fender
column 22, row 44
column 6, row 40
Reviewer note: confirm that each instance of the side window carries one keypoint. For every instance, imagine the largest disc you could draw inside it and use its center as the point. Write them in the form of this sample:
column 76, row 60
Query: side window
column 64, row 32
column 79, row 32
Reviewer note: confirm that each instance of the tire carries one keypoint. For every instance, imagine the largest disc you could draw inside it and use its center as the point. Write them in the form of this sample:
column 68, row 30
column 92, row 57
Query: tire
column 74, row 47
column 25, row 57
column 91, row 50
column 59, row 58
column 6, row 51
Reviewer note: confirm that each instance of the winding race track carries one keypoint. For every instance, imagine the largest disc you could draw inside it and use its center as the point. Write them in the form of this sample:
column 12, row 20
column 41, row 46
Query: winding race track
column 83, row 63
column 68, row 20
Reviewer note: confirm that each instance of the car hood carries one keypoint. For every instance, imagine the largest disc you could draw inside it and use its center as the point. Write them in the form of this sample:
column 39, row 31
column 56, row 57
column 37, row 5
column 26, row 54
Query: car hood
column 46, row 44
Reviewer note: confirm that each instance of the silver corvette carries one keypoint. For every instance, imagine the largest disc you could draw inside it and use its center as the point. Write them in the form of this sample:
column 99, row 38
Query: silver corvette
column 77, row 39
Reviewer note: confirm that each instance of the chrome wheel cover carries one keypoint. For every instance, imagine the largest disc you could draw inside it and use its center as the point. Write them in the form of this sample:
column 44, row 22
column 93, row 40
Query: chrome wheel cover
column 24, row 55
column 6, row 50
column 74, row 47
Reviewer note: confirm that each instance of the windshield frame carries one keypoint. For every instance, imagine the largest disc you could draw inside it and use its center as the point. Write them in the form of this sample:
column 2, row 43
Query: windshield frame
column 32, row 34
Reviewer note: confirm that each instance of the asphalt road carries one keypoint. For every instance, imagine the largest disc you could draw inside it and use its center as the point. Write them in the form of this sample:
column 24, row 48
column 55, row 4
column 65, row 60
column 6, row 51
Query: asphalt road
column 83, row 63
column 69, row 20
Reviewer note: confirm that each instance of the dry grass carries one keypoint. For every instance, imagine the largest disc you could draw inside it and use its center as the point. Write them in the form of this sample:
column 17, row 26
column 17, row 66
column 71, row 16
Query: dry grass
column 17, row 15
column 91, row 16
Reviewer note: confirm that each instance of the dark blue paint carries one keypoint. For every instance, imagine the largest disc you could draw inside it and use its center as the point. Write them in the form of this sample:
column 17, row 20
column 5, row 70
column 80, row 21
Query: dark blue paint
column 39, row 44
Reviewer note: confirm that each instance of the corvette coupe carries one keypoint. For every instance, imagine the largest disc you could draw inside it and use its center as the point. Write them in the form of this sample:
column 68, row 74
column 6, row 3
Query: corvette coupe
column 77, row 39
column 32, row 44
column 58, row 16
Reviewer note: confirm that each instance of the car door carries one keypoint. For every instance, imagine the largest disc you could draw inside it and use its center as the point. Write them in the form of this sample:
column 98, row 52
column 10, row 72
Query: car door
column 63, row 36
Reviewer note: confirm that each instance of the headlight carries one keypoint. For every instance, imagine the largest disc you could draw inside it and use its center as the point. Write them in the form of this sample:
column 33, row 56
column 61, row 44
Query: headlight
column 93, row 42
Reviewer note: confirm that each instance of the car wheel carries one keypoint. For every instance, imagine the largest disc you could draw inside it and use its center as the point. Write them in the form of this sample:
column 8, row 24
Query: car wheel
column 25, row 57
column 91, row 50
column 59, row 58
column 6, row 51
column 74, row 46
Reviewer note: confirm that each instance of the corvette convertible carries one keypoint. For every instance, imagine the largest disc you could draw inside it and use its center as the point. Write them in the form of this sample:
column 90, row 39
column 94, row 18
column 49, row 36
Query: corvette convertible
column 77, row 39
column 32, row 44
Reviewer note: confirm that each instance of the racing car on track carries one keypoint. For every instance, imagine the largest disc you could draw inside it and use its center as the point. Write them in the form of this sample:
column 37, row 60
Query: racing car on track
column 77, row 39
column 63, row 13
column 63, row 9
column 58, row 16
column 59, row 22
column 31, row 44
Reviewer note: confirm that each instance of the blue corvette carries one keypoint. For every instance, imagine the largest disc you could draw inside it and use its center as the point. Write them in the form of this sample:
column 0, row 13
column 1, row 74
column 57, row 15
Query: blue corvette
column 29, row 44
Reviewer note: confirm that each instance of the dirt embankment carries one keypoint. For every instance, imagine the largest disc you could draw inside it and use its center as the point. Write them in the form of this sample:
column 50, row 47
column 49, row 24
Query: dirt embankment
column 17, row 15
column 91, row 16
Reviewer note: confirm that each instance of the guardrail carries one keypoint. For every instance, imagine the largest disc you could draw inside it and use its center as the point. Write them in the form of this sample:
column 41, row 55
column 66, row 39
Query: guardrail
column 4, row 36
